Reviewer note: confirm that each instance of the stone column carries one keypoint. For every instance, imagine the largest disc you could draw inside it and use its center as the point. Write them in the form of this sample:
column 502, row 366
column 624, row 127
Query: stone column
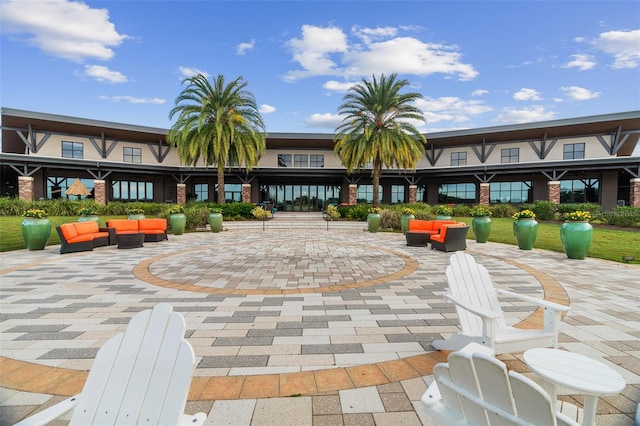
column 484, row 193
column 181, row 193
column 553, row 191
column 246, row 192
column 100, row 191
column 25, row 188
column 353, row 194
column 413, row 193
column 634, row 195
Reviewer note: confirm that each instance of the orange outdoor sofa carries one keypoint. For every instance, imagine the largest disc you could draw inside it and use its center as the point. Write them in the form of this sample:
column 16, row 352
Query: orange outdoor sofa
column 452, row 237
column 83, row 236
column 420, row 231
column 154, row 229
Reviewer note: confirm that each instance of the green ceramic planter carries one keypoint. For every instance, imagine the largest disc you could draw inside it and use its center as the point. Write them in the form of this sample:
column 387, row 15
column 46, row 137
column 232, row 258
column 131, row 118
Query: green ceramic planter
column 36, row 233
column 481, row 228
column 443, row 217
column 373, row 222
column 89, row 218
column 526, row 231
column 215, row 221
column 576, row 239
column 135, row 216
column 404, row 222
column 178, row 222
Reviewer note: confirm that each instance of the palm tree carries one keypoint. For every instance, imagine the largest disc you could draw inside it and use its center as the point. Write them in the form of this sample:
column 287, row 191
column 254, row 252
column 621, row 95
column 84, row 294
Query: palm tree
column 377, row 128
column 219, row 123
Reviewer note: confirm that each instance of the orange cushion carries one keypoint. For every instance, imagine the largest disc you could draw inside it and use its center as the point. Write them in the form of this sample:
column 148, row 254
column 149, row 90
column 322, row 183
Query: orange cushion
column 421, row 225
column 88, row 227
column 80, row 238
column 68, row 231
column 128, row 232
column 100, row 234
column 153, row 231
column 123, row 225
column 152, row 224
column 443, row 231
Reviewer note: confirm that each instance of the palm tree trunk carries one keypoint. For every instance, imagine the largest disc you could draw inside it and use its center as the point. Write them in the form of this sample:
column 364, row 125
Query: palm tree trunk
column 377, row 167
column 220, row 185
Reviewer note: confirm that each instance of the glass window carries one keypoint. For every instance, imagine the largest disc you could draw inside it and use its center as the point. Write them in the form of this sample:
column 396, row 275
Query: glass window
column 300, row 160
column 397, row 194
column 132, row 155
column 510, row 192
column 458, row 158
column 421, row 194
column 510, row 155
column 232, row 192
column 132, row 191
column 316, row 160
column 365, row 193
column 580, row 191
column 72, row 150
column 573, row 151
column 284, row 160
column 201, row 191
column 456, row 193
column 57, row 187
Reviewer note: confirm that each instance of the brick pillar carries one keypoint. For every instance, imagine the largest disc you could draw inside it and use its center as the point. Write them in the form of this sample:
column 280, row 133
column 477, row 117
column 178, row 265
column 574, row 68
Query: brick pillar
column 634, row 195
column 181, row 193
column 553, row 191
column 353, row 194
column 484, row 193
column 413, row 193
column 25, row 188
column 246, row 192
column 100, row 191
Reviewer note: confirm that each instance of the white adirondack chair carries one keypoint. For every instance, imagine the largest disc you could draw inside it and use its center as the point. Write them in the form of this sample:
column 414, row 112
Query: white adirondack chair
column 474, row 388
column 141, row 376
column 481, row 317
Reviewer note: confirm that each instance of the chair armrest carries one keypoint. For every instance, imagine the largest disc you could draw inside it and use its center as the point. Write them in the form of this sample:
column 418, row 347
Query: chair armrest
column 484, row 313
column 432, row 395
column 540, row 302
column 51, row 413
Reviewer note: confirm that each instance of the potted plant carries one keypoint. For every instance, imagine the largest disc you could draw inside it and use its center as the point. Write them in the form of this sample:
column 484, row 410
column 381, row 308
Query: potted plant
column 135, row 213
column 88, row 214
column 373, row 219
column 525, row 229
column 36, row 229
column 443, row 212
column 407, row 214
column 177, row 220
column 215, row 219
column 576, row 234
column 481, row 223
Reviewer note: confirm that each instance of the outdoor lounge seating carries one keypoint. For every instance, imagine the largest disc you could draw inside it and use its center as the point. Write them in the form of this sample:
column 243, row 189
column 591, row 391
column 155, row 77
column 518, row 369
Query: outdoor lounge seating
column 419, row 231
column 154, row 229
column 474, row 388
column 83, row 236
column 452, row 237
column 141, row 376
column 481, row 317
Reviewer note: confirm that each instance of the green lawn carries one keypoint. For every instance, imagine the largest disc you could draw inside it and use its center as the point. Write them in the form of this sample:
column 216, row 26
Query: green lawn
column 607, row 243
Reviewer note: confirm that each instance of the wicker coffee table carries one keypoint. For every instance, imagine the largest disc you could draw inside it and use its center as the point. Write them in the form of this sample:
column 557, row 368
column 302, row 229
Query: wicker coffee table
column 417, row 239
column 129, row 241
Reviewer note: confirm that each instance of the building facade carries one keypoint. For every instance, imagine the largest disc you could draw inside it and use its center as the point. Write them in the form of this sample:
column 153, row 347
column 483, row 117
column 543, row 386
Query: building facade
column 585, row 159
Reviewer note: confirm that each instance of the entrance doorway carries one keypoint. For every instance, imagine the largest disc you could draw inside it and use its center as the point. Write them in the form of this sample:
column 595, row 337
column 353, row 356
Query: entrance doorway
column 300, row 197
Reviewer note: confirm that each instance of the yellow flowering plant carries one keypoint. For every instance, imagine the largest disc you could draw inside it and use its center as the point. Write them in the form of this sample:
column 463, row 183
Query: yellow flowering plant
column 176, row 210
column 35, row 213
column 408, row 211
column 577, row 216
column 443, row 210
column 481, row 211
column 524, row 214
column 375, row 210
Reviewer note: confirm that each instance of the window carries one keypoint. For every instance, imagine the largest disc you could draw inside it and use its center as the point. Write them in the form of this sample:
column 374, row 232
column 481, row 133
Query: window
column 510, row 155
column 510, row 192
column 573, row 151
column 57, row 186
column 284, row 160
column 421, row 194
column 201, row 191
column 132, row 190
column 458, row 158
column 456, row 193
column 300, row 160
column 72, row 150
column 232, row 192
column 580, row 191
column 365, row 193
column 397, row 194
column 316, row 160
column 132, row 155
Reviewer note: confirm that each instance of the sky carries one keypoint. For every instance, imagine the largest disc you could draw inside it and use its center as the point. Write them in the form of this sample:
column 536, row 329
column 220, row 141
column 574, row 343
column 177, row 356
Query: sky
column 475, row 63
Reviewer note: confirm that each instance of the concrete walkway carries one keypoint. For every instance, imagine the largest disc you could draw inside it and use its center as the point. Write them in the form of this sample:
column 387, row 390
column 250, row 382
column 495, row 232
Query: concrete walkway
column 295, row 324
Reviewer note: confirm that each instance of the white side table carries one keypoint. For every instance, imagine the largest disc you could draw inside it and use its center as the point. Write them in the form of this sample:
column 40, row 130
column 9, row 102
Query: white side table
column 577, row 372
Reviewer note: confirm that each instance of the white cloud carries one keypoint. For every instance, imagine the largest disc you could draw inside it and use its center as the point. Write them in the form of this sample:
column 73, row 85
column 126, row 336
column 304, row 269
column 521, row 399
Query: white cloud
column 337, row 86
column 186, row 72
column 582, row 62
column 327, row 51
column 325, row 121
column 102, row 73
column 267, row 109
column 243, row 47
column 134, row 100
column 450, row 108
column 65, row 29
column 525, row 94
column 525, row 115
column 479, row 92
column 579, row 93
column 623, row 45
